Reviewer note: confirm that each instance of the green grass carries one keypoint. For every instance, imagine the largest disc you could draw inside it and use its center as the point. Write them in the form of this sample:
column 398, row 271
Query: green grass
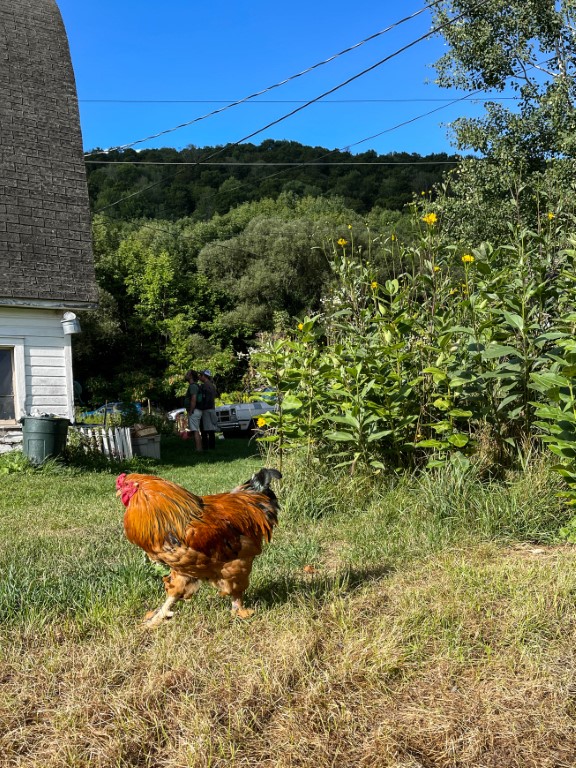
column 417, row 621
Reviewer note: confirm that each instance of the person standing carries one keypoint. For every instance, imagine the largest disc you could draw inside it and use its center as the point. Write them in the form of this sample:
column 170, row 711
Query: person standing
column 209, row 419
column 191, row 403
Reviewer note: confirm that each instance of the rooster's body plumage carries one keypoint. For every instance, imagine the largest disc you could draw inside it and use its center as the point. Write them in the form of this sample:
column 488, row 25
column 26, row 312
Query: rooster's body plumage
column 201, row 538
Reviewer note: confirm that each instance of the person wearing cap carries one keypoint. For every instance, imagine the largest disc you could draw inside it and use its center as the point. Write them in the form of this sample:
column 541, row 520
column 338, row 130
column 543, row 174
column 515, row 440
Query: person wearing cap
column 191, row 403
column 209, row 419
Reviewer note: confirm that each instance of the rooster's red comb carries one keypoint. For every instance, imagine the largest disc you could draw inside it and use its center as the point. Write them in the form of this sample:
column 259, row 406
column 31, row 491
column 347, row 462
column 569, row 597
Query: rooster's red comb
column 120, row 480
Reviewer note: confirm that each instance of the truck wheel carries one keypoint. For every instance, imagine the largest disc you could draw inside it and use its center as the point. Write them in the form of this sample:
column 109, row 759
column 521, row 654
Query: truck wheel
column 235, row 433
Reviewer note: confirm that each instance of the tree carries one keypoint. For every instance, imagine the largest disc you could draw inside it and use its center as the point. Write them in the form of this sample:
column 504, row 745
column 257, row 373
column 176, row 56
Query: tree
column 527, row 46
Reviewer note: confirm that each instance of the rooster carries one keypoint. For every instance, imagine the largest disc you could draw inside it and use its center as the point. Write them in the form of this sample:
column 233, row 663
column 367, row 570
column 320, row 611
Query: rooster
column 201, row 538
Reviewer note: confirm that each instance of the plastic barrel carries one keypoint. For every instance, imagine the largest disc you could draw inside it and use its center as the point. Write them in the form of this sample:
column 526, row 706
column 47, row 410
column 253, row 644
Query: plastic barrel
column 43, row 436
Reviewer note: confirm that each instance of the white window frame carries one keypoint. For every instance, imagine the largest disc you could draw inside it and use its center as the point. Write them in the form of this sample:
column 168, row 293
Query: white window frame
column 16, row 344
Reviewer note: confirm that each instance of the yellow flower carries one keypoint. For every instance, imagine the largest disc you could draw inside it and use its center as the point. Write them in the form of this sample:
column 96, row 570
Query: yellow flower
column 468, row 258
column 373, row 284
column 300, row 326
column 349, row 226
column 436, row 268
column 261, row 421
column 464, row 288
column 393, row 238
column 453, row 291
column 342, row 241
column 422, row 193
column 551, row 216
column 430, row 219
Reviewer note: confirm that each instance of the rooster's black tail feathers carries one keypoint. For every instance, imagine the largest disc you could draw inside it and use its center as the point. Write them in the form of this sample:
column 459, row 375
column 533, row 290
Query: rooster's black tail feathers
column 260, row 483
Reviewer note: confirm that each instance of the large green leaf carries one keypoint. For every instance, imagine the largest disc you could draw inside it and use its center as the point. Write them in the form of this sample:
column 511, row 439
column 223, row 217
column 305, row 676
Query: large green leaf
column 348, row 419
column 498, row 350
column 514, row 320
column 545, row 381
column 340, row 436
column 458, row 439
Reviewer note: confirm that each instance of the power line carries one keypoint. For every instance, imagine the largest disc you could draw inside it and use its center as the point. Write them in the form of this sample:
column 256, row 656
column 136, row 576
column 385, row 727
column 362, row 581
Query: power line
column 276, row 85
column 404, row 48
column 409, row 121
column 272, row 175
column 276, row 101
column 356, row 143
column 272, row 164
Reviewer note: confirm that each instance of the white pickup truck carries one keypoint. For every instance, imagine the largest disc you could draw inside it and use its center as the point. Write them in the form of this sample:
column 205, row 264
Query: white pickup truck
column 240, row 419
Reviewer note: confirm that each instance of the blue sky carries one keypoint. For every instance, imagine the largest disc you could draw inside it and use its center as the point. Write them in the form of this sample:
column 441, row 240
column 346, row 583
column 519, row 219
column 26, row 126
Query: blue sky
column 206, row 54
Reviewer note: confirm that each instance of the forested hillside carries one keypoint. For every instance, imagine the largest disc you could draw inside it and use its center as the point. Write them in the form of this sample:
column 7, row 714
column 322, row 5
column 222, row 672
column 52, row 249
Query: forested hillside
column 220, row 178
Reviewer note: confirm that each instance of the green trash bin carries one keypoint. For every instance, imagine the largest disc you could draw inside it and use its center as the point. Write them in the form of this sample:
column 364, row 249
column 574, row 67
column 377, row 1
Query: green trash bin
column 43, row 436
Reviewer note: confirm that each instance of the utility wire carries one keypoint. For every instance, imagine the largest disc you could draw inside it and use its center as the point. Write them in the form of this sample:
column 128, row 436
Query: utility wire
column 411, row 120
column 272, row 87
column 361, row 141
column 404, row 48
column 273, row 165
column 272, row 101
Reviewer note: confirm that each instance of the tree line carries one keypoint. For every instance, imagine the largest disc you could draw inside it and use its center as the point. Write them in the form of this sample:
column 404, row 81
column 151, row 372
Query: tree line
column 245, row 173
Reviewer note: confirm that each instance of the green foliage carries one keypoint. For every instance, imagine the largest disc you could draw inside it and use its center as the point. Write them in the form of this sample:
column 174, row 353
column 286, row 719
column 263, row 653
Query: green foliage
column 524, row 163
column 433, row 364
column 182, row 294
column 527, row 45
column 14, row 461
column 556, row 384
column 158, row 420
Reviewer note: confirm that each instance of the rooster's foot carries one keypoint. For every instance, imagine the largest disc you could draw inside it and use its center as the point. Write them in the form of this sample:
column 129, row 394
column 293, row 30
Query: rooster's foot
column 153, row 619
column 242, row 613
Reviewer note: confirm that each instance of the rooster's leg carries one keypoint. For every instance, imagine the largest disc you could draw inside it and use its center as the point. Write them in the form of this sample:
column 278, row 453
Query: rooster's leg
column 178, row 587
column 234, row 585
column 157, row 617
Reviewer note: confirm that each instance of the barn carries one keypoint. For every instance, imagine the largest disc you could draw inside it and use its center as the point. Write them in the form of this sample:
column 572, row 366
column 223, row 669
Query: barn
column 46, row 263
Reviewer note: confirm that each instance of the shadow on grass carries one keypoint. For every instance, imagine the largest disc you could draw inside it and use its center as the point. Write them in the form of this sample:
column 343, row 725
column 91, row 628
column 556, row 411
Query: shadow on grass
column 317, row 586
column 181, row 453
column 175, row 452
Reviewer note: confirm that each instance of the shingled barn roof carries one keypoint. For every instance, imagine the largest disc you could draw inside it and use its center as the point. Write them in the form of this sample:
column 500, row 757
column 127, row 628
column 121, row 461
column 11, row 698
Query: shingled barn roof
column 45, row 241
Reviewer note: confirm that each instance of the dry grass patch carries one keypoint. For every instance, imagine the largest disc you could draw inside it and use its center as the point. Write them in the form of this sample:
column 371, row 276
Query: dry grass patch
column 464, row 661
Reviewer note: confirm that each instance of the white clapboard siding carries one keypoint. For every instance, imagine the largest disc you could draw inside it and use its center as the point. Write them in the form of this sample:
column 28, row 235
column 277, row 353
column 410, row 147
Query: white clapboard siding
column 46, row 385
column 42, row 371
column 40, row 333
column 47, row 362
column 48, row 349
column 40, row 402
column 44, row 390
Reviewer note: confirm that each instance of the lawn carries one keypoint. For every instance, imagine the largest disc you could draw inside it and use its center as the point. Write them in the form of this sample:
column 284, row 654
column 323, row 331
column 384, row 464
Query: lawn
column 420, row 623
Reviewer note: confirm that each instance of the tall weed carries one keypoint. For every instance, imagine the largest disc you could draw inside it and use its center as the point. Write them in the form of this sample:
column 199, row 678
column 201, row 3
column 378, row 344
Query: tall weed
column 396, row 373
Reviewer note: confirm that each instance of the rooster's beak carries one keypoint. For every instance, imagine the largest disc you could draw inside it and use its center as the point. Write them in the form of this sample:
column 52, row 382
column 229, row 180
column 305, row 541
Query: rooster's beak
column 119, row 492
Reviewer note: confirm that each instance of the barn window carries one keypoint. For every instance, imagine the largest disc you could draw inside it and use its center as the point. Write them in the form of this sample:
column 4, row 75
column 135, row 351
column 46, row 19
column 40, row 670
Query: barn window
column 7, row 409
